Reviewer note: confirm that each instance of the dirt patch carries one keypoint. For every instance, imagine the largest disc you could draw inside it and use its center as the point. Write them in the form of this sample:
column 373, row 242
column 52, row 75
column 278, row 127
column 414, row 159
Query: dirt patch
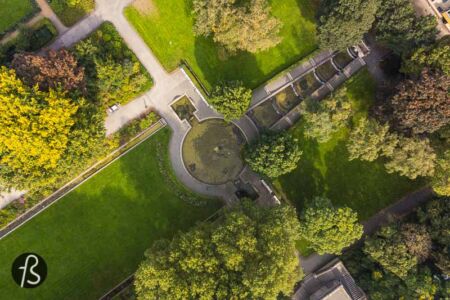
column 145, row 7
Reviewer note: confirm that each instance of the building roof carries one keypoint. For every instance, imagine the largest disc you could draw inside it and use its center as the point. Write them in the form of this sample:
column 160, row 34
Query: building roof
column 332, row 282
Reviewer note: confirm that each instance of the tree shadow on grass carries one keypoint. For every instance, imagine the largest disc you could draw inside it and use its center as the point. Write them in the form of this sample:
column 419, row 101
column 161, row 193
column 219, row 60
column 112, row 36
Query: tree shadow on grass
column 217, row 65
column 363, row 186
column 305, row 182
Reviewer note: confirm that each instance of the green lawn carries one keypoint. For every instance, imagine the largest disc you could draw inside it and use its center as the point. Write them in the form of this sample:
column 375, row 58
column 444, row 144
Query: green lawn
column 96, row 236
column 325, row 169
column 12, row 12
column 168, row 29
column 69, row 15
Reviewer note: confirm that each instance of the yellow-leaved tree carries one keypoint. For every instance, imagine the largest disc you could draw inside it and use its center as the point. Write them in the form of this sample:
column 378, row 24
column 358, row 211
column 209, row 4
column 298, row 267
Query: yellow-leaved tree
column 34, row 129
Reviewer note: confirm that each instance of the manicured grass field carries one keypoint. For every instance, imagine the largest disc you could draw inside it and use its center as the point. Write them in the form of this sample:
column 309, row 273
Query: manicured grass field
column 12, row 11
column 167, row 27
column 324, row 169
column 96, row 236
column 69, row 15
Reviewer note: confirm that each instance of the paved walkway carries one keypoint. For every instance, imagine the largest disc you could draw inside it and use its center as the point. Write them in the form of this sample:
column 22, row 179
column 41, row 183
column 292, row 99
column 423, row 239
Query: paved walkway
column 47, row 12
column 397, row 210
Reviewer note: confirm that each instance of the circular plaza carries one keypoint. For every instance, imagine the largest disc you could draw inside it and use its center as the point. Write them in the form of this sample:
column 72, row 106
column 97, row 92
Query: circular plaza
column 212, row 151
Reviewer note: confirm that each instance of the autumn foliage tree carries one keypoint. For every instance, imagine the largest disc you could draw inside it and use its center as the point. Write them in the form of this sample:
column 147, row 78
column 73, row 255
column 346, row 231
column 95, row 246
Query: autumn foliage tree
column 237, row 25
column 422, row 105
column 249, row 253
column 34, row 128
column 56, row 69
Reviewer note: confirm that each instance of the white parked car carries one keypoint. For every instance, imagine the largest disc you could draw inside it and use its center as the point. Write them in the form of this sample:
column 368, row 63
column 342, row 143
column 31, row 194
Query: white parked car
column 114, row 108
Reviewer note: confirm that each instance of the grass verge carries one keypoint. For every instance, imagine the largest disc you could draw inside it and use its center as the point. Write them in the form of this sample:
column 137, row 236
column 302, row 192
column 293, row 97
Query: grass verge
column 168, row 29
column 96, row 235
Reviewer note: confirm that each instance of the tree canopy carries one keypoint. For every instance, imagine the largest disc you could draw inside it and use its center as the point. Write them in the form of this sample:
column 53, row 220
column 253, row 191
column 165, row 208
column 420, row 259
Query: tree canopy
column 422, row 105
column 412, row 157
column 441, row 178
column 45, row 136
column 387, row 248
column 436, row 57
column 237, row 25
column 398, row 27
column 328, row 229
column 344, row 23
column 56, row 69
column 324, row 118
column 249, row 253
column 369, row 139
column 231, row 99
column 34, row 127
column 274, row 154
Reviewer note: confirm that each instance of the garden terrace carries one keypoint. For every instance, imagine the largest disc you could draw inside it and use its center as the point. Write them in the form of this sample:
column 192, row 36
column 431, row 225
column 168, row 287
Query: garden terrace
column 265, row 115
column 167, row 28
column 95, row 236
column 342, row 59
column 306, row 85
column 287, row 99
column 326, row 71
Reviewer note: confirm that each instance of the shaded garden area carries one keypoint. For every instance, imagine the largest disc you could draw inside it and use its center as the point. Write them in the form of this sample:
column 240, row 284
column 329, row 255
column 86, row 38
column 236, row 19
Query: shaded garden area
column 325, row 168
column 95, row 236
column 168, row 30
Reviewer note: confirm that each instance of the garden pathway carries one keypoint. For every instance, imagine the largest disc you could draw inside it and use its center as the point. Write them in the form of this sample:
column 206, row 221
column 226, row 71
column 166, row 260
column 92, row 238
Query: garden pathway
column 47, row 12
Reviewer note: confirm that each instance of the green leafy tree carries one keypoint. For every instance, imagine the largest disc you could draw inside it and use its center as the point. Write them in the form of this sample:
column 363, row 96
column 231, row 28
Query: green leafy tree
column 369, row 139
column 325, row 118
column 435, row 216
column 387, row 248
column 231, row 99
column 328, row 229
column 412, row 157
column 119, row 82
column 435, row 57
column 274, row 154
column 422, row 105
column 419, row 285
column 345, row 22
column 237, row 25
column 248, row 254
column 441, row 178
column 399, row 28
